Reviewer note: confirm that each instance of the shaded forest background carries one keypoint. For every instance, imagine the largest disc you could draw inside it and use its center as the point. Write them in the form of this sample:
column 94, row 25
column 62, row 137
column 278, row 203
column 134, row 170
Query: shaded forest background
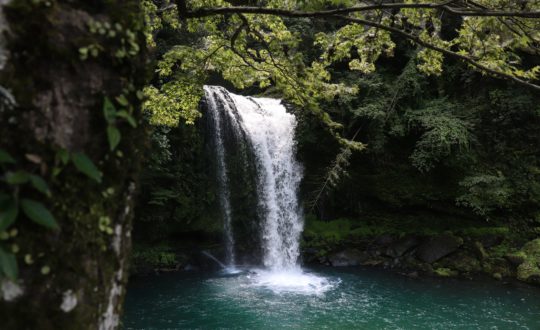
column 456, row 151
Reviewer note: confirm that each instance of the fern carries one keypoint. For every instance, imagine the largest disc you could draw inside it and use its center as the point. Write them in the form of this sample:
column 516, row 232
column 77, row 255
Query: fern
column 443, row 132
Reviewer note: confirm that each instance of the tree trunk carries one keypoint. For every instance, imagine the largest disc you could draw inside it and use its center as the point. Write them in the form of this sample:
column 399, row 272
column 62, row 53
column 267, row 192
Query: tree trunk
column 59, row 68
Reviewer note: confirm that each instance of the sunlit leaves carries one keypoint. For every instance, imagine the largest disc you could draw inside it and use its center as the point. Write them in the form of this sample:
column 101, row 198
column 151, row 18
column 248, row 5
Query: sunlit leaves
column 430, row 62
column 251, row 50
column 176, row 100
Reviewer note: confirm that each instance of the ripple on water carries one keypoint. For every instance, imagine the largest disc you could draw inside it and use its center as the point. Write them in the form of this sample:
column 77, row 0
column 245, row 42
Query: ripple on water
column 327, row 299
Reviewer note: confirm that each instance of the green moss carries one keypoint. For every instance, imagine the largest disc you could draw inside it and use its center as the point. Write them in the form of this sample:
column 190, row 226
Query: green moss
column 529, row 269
column 445, row 272
column 482, row 231
column 155, row 257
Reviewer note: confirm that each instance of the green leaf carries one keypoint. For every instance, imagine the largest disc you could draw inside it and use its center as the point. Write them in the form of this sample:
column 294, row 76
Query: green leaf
column 8, row 212
column 122, row 100
column 124, row 114
column 8, row 264
column 63, row 156
column 85, row 166
column 18, row 177
column 38, row 213
column 40, row 185
column 114, row 136
column 109, row 110
column 5, row 157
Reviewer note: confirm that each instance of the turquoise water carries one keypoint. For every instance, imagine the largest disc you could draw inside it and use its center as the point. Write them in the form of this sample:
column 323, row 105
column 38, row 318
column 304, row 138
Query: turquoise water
column 337, row 299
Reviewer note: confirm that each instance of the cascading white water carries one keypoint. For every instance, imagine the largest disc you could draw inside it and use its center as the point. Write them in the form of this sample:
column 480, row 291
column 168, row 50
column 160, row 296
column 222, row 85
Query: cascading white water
column 270, row 131
column 223, row 186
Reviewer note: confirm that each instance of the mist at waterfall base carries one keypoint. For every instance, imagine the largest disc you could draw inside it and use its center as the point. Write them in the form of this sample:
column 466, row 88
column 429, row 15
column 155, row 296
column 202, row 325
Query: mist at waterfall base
column 269, row 130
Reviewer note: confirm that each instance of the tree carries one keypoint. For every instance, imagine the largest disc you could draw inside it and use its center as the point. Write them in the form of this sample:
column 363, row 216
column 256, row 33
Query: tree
column 67, row 171
column 71, row 85
column 258, row 46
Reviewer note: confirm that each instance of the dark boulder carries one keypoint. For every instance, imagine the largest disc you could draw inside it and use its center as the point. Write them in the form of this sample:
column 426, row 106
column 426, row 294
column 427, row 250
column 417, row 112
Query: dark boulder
column 478, row 249
column 349, row 257
column 516, row 259
column 383, row 240
column 438, row 247
column 402, row 245
column 491, row 240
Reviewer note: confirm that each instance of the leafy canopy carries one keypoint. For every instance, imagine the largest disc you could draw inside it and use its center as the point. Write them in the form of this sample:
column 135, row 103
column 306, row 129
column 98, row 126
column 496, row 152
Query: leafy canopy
column 260, row 46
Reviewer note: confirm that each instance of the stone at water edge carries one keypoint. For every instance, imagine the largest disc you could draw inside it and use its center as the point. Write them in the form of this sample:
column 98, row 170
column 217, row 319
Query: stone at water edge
column 438, row 247
column 479, row 250
column 402, row 245
column 446, row 272
column 529, row 270
column 462, row 262
column 350, row 257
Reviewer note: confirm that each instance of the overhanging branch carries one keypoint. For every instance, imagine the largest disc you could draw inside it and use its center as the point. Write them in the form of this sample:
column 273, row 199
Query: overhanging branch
column 444, row 6
column 341, row 13
column 447, row 52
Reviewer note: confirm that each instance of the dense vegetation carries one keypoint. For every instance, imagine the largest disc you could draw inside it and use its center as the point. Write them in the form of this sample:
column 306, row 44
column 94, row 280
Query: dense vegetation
column 398, row 150
column 424, row 117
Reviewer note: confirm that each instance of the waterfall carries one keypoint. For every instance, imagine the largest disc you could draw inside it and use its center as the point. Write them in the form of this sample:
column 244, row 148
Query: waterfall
column 269, row 131
column 223, row 186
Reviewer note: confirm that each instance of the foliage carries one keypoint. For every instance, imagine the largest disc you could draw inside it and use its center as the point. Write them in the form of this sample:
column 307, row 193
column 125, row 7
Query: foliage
column 265, row 50
column 12, row 187
column 443, row 131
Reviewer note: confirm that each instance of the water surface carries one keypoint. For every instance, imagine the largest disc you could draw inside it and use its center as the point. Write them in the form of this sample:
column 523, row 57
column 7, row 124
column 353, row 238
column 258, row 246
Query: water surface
column 340, row 299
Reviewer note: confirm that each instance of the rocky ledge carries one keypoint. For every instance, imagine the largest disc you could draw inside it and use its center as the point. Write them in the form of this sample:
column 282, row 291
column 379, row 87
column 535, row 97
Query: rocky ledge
column 445, row 255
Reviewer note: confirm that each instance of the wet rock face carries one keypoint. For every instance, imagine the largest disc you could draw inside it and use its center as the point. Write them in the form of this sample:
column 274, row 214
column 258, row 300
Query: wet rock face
column 402, row 245
column 438, row 247
column 351, row 257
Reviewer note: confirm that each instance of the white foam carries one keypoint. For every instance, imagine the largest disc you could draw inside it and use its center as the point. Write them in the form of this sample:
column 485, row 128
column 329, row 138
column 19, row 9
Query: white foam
column 292, row 281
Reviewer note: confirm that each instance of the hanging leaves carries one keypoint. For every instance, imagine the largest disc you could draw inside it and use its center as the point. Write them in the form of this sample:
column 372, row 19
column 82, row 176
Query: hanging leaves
column 113, row 134
column 8, row 211
column 40, row 185
column 86, row 166
column 38, row 213
column 8, row 264
column 18, row 177
column 5, row 157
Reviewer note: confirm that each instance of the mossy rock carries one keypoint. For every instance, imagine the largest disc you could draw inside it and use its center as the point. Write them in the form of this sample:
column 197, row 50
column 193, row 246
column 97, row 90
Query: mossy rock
column 445, row 272
column 498, row 266
column 529, row 270
column 516, row 258
column 463, row 262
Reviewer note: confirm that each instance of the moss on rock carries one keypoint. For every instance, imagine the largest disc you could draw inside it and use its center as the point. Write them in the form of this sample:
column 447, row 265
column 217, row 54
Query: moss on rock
column 445, row 272
column 529, row 270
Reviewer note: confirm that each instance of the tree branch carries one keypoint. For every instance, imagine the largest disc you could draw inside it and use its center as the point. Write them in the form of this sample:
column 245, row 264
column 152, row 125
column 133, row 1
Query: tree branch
column 341, row 14
column 445, row 6
column 447, row 52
